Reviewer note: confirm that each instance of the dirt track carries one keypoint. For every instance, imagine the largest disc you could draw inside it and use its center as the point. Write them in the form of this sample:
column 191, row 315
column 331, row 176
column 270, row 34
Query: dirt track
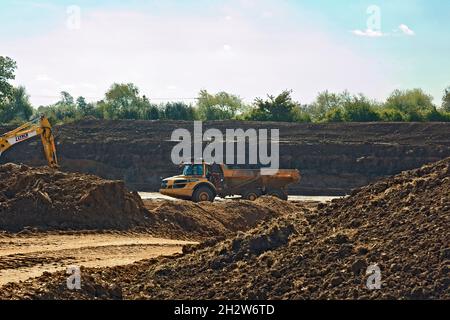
column 25, row 256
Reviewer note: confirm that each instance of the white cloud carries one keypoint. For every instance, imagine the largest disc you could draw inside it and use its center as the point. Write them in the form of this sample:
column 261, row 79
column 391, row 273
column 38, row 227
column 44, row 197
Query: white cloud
column 43, row 77
column 369, row 33
column 406, row 30
column 68, row 87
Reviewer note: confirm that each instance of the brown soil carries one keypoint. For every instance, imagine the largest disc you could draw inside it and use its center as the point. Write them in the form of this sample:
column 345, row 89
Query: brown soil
column 333, row 158
column 49, row 199
column 210, row 220
column 401, row 224
column 24, row 256
column 33, row 200
column 42, row 199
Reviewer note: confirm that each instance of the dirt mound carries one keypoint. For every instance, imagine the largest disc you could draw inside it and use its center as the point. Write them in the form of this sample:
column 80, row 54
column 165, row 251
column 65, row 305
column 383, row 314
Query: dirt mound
column 211, row 220
column 46, row 199
column 182, row 219
column 400, row 224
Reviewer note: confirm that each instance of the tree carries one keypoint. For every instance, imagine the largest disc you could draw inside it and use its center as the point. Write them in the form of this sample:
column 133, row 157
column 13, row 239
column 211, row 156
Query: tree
column 81, row 104
column 301, row 114
column 391, row 115
column 324, row 103
column 412, row 103
column 436, row 116
column 123, row 101
column 359, row 108
column 84, row 108
column 179, row 111
column 66, row 98
column 446, row 100
column 151, row 112
column 65, row 110
column 7, row 69
column 220, row 106
column 280, row 108
column 17, row 108
column 335, row 115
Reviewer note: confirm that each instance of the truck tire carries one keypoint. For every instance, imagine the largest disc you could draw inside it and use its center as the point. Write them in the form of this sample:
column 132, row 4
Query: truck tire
column 251, row 195
column 278, row 193
column 203, row 194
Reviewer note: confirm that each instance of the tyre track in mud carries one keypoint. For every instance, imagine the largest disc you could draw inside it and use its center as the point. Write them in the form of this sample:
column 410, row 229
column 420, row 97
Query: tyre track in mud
column 26, row 256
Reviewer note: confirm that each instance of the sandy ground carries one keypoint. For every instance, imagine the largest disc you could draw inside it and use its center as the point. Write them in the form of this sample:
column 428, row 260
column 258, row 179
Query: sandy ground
column 25, row 256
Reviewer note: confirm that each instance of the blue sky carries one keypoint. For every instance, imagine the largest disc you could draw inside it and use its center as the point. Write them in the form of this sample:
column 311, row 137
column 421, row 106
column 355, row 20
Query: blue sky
column 172, row 49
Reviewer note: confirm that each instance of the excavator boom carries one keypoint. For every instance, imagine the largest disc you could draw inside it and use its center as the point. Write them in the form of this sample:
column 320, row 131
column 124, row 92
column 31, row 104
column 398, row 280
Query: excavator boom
column 29, row 130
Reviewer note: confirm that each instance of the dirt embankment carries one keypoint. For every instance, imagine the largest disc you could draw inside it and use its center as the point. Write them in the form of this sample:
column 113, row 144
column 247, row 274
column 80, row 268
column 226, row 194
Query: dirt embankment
column 399, row 224
column 48, row 199
column 211, row 220
column 333, row 158
column 44, row 199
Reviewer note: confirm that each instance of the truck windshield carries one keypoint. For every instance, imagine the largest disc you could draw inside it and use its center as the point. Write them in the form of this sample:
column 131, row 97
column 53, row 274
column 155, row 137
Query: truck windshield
column 193, row 170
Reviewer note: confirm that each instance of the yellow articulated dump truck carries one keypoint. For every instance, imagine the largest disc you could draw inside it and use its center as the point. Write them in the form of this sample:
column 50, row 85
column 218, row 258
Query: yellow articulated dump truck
column 201, row 182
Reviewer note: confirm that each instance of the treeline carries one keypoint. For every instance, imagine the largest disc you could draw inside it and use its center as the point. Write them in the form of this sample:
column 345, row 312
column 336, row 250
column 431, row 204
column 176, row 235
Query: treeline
column 124, row 101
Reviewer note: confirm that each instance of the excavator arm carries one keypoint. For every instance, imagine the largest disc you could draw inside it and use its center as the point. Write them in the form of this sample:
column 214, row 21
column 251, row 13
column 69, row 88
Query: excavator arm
column 39, row 127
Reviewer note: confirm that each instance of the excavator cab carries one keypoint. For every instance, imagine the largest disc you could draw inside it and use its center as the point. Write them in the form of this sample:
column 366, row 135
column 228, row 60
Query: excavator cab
column 37, row 127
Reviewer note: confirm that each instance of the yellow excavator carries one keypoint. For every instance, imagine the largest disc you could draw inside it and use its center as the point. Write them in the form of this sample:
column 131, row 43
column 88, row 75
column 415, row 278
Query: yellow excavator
column 39, row 126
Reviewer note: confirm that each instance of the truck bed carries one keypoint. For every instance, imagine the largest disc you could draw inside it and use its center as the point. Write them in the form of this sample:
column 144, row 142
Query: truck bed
column 239, row 178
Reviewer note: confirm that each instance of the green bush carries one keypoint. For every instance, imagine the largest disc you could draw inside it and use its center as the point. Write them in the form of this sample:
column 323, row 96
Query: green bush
column 391, row 115
column 220, row 106
column 360, row 113
column 335, row 115
column 281, row 108
column 179, row 111
column 437, row 116
column 17, row 108
column 415, row 116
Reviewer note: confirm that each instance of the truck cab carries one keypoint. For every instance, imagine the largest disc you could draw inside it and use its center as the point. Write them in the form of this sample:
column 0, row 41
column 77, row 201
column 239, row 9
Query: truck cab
column 195, row 183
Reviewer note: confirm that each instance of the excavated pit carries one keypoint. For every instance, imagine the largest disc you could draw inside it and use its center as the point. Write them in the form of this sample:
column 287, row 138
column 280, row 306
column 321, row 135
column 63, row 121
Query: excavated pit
column 333, row 158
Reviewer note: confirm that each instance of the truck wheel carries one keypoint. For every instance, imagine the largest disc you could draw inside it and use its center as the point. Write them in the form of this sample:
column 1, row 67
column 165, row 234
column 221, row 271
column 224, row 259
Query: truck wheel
column 251, row 195
column 203, row 194
column 278, row 193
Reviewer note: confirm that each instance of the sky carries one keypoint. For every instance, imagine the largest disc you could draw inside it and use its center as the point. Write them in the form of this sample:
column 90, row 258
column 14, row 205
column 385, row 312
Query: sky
column 172, row 49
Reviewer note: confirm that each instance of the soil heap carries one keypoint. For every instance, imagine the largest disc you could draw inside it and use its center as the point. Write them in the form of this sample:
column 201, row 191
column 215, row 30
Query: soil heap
column 45, row 198
column 188, row 220
column 401, row 224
